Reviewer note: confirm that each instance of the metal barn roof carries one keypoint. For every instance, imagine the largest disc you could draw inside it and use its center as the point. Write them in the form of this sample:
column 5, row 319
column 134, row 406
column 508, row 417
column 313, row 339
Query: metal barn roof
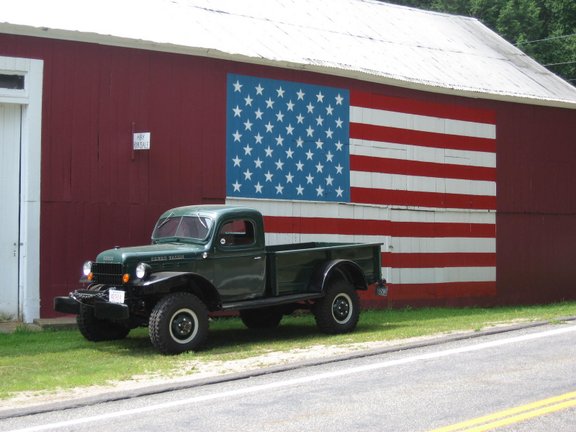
column 361, row 39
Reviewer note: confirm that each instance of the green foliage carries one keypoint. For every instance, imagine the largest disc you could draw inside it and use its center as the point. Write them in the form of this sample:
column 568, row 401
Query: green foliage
column 543, row 29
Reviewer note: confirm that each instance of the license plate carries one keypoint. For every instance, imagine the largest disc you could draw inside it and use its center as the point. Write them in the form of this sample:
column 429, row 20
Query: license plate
column 116, row 296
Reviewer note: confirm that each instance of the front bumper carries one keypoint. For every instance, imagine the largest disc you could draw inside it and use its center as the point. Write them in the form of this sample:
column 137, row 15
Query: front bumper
column 102, row 309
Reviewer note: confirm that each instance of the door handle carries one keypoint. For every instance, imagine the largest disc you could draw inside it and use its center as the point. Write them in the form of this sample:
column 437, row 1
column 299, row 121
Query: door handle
column 258, row 258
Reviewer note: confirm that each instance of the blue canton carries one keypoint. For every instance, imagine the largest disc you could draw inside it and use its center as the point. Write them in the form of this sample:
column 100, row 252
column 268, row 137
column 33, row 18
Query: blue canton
column 286, row 140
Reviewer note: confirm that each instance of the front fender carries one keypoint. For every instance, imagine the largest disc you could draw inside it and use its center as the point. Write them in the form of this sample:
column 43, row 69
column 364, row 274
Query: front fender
column 167, row 282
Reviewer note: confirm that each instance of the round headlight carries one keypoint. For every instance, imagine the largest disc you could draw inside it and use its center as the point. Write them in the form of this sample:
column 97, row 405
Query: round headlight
column 142, row 270
column 87, row 268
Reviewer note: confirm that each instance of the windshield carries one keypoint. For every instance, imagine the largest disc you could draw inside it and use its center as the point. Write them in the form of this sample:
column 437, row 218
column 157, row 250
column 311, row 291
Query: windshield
column 194, row 227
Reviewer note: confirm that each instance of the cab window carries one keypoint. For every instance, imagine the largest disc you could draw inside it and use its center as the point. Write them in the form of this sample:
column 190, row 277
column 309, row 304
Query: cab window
column 237, row 232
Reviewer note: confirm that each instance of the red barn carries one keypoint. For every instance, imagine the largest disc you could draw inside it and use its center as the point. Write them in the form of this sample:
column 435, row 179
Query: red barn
column 338, row 119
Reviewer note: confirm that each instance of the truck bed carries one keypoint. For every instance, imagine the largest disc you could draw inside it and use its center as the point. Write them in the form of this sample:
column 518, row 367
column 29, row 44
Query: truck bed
column 291, row 267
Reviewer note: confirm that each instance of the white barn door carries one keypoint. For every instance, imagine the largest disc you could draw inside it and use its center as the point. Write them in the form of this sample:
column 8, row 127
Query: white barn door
column 10, row 127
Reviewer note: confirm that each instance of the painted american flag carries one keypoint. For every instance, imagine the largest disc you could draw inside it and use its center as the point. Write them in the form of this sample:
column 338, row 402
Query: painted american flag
column 335, row 164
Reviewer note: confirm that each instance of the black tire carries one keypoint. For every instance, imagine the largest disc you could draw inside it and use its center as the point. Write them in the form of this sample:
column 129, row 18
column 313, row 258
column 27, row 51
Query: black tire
column 265, row 318
column 97, row 330
column 339, row 310
column 178, row 323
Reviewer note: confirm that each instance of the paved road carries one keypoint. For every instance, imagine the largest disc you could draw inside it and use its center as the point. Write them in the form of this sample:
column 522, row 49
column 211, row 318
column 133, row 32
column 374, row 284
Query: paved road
column 516, row 381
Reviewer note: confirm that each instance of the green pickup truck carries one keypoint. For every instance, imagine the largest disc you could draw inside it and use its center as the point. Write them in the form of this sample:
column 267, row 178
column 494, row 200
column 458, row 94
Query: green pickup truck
column 206, row 259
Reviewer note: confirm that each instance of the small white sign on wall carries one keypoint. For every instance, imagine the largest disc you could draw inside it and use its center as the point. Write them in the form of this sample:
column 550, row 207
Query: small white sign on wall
column 141, row 141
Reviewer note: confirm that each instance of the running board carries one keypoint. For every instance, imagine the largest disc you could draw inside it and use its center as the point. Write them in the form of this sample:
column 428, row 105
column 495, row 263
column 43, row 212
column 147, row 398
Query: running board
column 271, row 301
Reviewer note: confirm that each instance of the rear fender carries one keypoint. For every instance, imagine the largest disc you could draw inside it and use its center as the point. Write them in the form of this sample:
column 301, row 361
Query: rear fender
column 341, row 268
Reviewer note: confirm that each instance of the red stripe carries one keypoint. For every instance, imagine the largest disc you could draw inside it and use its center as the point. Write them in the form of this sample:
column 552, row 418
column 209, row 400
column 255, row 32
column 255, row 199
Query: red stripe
column 420, row 138
column 310, row 225
column 438, row 260
column 424, row 169
column 422, row 199
column 436, row 291
column 456, row 112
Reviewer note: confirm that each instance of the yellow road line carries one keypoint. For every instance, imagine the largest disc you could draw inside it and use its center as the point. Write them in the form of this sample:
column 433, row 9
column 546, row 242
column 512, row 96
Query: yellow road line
column 513, row 415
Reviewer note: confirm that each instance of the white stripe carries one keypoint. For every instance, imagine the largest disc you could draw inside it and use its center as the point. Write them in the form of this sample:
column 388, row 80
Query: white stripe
column 442, row 275
column 408, row 183
column 387, row 150
column 421, row 123
column 363, row 211
column 302, row 381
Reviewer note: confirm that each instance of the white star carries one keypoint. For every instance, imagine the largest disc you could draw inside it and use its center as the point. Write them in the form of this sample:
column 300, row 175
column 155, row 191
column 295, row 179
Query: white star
column 309, row 131
column 319, row 167
column 339, row 99
column 258, row 114
column 339, row 169
column 279, row 140
column 247, row 175
column 299, row 190
column 300, row 94
column 290, row 105
column 329, row 133
column 319, row 121
column 269, row 176
column 280, row 92
column 237, row 135
column 258, row 138
column 299, row 166
column 320, row 97
column 329, row 110
column 269, row 127
column 300, row 118
column 258, row 187
column 258, row 162
column 289, row 153
column 279, row 165
column 248, row 150
column 309, row 179
column 237, row 86
column 289, row 178
column 309, row 155
column 259, row 89
column 268, row 151
column 237, row 161
column 269, row 103
column 279, row 189
column 329, row 156
column 319, row 191
column 319, row 144
column 248, row 125
column 279, row 116
column 329, row 180
column 237, row 111
column 339, row 192
column 299, row 142
column 339, row 146
column 339, row 122
column 237, row 186
column 289, row 129
column 310, row 108
column 248, row 100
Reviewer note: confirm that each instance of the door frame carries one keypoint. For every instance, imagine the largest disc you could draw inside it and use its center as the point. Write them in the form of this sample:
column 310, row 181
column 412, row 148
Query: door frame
column 30, row 98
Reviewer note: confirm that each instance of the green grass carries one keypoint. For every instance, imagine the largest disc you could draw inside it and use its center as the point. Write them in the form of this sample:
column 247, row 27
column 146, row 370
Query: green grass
column 51, row 360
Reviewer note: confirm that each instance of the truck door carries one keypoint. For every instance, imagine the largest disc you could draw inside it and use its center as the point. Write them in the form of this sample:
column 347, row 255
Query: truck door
column 239, row 261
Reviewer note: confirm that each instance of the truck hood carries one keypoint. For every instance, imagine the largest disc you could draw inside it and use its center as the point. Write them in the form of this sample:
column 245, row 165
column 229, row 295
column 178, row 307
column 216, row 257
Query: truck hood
column 151, row 253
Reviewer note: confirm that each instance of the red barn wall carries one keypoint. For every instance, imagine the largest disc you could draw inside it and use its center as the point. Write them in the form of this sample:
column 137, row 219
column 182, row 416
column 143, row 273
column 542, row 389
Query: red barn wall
column 97, row 193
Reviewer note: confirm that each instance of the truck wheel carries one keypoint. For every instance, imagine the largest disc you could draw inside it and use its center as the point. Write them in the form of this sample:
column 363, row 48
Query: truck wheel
column 178, row 323
column 339, row 310
column 97, row 330
column 264, row 318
